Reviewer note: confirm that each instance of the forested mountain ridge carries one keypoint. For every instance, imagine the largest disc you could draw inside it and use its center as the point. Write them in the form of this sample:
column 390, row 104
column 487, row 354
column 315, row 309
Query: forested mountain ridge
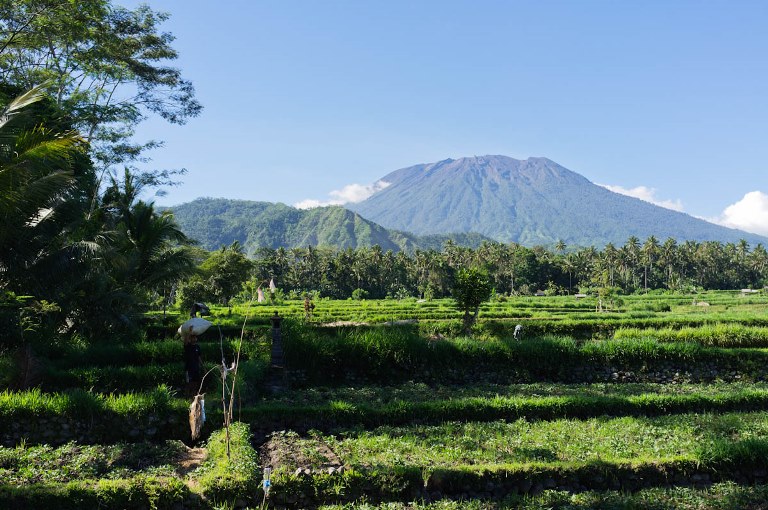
column 531, row 202
column 216, row 222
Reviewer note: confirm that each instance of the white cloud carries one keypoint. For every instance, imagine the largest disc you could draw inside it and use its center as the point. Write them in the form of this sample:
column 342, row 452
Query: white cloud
column 749, row 214
column 647, row 194
column 351, row 193
column 309, row 204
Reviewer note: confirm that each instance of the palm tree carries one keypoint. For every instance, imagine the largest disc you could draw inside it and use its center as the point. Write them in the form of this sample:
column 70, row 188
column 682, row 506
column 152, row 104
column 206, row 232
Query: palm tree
column 511, row 264
column 743, row 249
column 668, row 257
column 688, row 261
column 583, row 263
column 650, row 249
column 611, row 255
column 154, row 243
column 569, row 264
column 758, row 261
column 36, row 181
column 311, row 268
column 149, row 243
column 632, row 256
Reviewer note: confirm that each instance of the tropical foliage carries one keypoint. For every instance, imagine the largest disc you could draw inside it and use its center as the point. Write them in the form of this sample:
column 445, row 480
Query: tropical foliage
column 472, row 288
column 104, row 66
column 76, row 236
column 517, row 270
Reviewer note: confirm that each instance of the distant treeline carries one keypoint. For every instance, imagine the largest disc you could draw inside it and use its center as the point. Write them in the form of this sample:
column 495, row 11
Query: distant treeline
column 514, row 269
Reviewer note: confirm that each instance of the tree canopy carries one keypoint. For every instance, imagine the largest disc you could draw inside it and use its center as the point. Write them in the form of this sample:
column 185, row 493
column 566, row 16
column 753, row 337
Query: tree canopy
column 89, row 251
column 471, row 289
column 105, row 67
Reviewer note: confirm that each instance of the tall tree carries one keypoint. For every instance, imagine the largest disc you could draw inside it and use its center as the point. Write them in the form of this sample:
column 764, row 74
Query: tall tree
column 650, row 251
column 471, row 289
column 669, row 257
column 758, row 262
column 611, row 256
column 225, row 271
column 36, row 180
column 105, row 66
column 105, row 69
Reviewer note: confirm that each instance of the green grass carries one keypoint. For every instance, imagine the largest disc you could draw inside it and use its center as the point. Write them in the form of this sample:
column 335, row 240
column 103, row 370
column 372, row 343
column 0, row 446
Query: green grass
column 656, row 308
column 338, row 414
column 73, row 476
column 23, row 465
column 687, row 437
column 389, row 354
column 129, row 475
column 79, row 402
column 140, row 366
column 225, row 478
column 420, row 392
column 109, row 379
column 718, row 335
column 150, row 352
column 721, row 496
column 401, row 405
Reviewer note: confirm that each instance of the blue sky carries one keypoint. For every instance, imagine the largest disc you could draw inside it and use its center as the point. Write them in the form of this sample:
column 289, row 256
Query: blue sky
column 305, row 98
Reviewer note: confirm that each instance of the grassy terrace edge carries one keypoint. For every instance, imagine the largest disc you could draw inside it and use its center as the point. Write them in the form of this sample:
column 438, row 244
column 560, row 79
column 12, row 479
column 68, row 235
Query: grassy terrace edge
column 719, row 496
column 110, row 418
column 218, row 481
column 338, row 414
column 743, row 461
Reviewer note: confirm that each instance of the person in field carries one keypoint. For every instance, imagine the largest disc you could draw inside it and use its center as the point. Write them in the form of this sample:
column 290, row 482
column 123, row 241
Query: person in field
column 193, row 362
column 309, row 307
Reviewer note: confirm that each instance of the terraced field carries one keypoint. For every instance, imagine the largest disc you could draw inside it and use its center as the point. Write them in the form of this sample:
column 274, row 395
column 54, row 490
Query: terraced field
column 658, row 403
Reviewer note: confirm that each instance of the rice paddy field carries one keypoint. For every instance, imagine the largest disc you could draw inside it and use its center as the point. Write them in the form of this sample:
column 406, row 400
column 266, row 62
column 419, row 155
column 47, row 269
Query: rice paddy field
column 660, row 402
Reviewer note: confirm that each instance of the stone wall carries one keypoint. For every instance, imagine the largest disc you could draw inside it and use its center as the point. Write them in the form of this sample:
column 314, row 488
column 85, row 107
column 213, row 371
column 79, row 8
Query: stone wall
column 639, row 372
column 108, row 428
column 497, row 485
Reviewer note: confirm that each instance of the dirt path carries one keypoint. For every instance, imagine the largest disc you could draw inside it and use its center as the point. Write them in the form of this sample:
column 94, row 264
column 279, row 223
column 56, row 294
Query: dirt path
column 190, row 460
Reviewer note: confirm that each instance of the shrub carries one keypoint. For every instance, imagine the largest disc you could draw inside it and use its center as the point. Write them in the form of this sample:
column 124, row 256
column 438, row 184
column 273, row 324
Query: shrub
column 105, row 418
column 715, row 335
column 225, row 478
column 750, row 453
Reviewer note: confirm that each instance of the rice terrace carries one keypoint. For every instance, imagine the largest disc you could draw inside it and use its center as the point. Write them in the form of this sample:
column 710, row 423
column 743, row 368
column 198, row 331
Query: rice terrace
column 328, row 255
column 657, row 404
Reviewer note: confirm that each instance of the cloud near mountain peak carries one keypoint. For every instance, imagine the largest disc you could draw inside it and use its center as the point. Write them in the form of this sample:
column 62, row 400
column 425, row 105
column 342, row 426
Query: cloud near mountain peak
column 646, row 194
column 749, row 214
column 351, row 193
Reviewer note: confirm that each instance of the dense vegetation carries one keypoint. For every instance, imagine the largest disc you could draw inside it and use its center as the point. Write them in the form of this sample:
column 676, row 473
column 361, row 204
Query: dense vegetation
column 637, row 266
column 618, row 398
column 393, row 409
column 75, row 236
column 214, row 222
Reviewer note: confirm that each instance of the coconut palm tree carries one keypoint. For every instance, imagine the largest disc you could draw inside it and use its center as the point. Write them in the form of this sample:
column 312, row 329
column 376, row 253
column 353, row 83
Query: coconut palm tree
column 36, row 182
column 668, row 257
column 758, row 261
column 611, row 255
column 631, row 251
column 650, row 250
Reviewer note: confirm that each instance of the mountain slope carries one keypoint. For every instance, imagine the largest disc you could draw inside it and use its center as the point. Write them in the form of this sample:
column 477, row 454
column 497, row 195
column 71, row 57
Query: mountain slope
column 216, row 222
column 532, row 201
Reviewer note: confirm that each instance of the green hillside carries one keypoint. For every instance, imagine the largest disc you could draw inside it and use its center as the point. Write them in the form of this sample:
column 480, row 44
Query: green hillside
column 214, row 222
